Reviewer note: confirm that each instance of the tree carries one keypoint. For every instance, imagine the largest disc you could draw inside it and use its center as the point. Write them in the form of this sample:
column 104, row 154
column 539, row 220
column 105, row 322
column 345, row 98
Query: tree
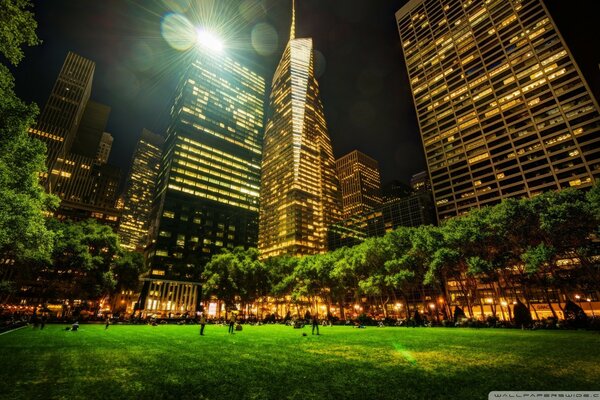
column 82, row 261
column 127, row 270
column 23, row 202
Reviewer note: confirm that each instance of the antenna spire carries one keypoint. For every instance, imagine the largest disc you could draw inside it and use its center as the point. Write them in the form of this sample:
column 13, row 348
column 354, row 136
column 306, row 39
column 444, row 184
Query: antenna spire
column 293, row 28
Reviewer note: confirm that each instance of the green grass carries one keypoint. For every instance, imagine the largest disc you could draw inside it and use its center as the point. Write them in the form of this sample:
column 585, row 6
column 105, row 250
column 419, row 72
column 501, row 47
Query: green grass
column 277, row 362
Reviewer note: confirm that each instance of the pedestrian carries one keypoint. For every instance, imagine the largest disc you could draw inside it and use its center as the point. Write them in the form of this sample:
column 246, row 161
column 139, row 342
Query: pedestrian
column 107, row 323
column 315, row 324
column 202, row 323
column 231, row 322
column 42, row 322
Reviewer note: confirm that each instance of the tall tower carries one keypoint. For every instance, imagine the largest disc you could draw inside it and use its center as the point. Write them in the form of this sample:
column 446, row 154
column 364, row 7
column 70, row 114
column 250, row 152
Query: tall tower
column 59, row 121
column 139, row 191
column 299, row 195
column 360, row 183
column 209, row 178
column 503, row 109
column 104, row 148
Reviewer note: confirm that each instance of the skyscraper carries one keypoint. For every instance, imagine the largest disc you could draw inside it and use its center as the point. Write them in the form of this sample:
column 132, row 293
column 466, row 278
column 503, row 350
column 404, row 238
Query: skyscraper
column 299, row 195
column 503, row 109
column 139, row 191
column 60, row 118
column 106, row 142
column 71, row 126
column 208, row 183
column 360, row 183
column 88, row 138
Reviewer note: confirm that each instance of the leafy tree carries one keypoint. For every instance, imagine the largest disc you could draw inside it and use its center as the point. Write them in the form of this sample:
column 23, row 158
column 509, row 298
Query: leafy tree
column 233, row 276
column 17, row 28
column 82, row 261
column 23, row 202
column 127, row 270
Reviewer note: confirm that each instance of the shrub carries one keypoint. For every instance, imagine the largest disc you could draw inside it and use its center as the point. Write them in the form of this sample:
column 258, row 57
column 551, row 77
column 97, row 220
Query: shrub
column 522, row 315
column 364, row 319
column 575, row 316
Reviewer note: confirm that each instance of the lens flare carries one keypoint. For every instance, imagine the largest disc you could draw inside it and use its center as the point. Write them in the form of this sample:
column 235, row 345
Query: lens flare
column 178, row 31
column 208, row 40
column 264, row 39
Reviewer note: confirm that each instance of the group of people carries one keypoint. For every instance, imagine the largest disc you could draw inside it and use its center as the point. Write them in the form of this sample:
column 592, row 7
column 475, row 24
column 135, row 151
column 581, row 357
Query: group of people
column 234, row 325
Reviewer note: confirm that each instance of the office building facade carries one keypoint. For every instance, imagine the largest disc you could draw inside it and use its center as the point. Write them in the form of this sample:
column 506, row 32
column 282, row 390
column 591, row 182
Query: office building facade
column 139, row 192
column 59, row 120
column 360, row 183
column 103, row 153
column 299, row 194
column 208, row 183
column 411, row 211
column 502, row 106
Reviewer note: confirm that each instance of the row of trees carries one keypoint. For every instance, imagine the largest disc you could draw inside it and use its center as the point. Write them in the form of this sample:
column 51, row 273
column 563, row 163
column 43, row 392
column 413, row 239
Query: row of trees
column 538, row 249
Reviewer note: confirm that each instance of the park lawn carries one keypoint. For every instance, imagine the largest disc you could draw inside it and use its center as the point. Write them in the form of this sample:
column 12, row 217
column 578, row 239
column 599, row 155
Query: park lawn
column 277, row 362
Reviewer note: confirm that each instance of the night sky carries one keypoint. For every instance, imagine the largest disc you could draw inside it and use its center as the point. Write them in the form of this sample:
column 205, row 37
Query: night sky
column 363, row 81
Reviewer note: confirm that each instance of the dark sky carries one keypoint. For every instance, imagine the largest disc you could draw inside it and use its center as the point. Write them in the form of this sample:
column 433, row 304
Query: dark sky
column 363, row 81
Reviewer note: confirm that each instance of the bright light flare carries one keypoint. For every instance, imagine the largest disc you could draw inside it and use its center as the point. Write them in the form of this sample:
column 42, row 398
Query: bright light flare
column 208, row 40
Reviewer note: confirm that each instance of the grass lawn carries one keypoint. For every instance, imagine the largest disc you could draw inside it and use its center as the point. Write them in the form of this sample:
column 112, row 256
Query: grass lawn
column 277, row 362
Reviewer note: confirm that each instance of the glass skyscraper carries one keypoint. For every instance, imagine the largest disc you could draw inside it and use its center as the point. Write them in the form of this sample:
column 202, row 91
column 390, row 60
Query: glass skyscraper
column 139, row 192
column 300, row 193
column 209, row 179
column 503, row 109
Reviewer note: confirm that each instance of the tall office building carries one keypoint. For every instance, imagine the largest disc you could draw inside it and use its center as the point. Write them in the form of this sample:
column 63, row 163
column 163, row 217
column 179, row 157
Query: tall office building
column 360, row 183
column 503, row 109
column 60, row 118
column 89, row 134
column 299, row 195
column 420, row 182
column 139, row 192
column 209, row 179
column 104, row 147
column 71, row 126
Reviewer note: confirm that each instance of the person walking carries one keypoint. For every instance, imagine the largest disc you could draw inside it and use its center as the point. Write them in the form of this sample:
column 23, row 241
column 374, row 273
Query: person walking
column 315, row 324
column 42, row 322
column 202, row 323
column 107, row 323
column 231, row 322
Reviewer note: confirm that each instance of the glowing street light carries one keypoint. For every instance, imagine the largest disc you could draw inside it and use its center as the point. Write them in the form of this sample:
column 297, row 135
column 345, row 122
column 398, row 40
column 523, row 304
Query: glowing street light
column 208, row 40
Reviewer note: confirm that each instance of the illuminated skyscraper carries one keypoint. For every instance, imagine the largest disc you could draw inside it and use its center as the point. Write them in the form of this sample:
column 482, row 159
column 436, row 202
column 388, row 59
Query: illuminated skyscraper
column 503, row 109
column 60, row 118
column 139, row 192
column 360, row 183
column 299, row 194
column 208, row 183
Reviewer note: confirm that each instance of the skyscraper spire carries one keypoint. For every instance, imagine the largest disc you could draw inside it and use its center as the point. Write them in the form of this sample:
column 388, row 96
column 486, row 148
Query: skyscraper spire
column 293, row 27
